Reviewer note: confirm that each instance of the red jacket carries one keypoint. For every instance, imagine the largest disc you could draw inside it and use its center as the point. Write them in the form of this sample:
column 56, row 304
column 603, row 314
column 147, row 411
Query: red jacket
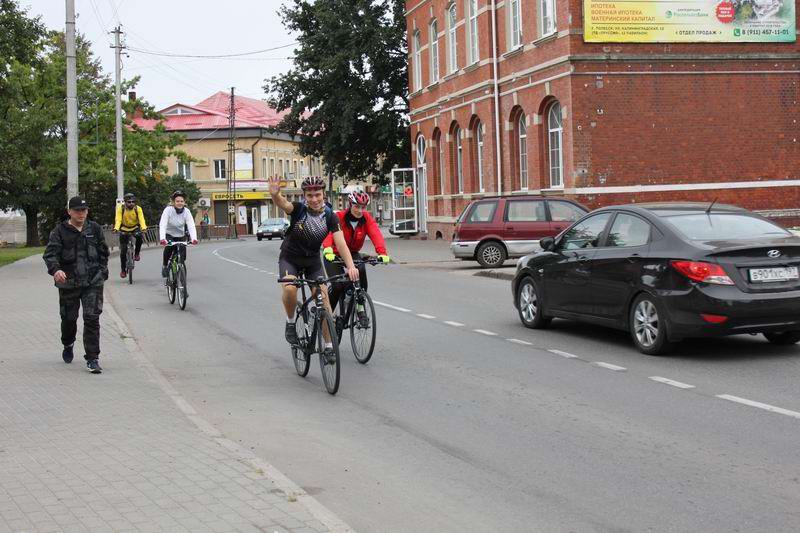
column 355, row 237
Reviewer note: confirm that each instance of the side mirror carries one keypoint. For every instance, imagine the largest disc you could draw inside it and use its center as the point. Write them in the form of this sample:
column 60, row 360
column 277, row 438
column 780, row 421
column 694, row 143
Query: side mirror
column 548, row 244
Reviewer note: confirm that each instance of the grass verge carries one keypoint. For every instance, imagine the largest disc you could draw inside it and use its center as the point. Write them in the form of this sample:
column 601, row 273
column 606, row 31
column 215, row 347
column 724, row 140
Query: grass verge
column 13, row 253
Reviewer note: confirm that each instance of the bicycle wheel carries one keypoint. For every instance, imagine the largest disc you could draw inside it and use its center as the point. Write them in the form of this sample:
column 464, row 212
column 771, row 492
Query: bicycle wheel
column 363, row 330
column 300, row 355
column 330, row 368
column 181, row 286
column 171, row 283
column 129, row 264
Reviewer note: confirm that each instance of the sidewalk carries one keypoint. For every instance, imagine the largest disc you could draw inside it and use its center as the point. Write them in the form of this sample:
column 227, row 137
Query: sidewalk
column 122, row 451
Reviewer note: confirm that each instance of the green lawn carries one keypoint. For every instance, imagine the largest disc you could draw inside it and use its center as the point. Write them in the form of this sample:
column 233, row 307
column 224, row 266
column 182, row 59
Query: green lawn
column 11, row 254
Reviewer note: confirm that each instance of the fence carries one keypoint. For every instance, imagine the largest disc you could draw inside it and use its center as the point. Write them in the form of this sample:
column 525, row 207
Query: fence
column 204, row 233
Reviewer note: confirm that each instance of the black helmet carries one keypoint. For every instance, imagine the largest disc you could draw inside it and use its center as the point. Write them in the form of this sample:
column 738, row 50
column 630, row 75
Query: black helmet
column 178, row 193
column 312, row 183
column 129, row 196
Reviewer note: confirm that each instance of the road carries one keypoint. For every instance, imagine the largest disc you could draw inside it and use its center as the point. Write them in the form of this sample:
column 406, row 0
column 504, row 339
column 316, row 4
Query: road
column 466, row 421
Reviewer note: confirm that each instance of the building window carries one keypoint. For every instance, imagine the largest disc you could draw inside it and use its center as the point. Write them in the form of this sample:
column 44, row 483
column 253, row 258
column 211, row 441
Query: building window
column 294, row 169
column 459, row 160
column 422, row 178
column 219, row 169
column 184, row 170
column 417, row 61
column 479, row 154
column 472, row 30
column 555, row 137
column 523, row 152
column 515, row 23
column 272, row 167
column 285, row 168
column 303, row 172
column 280, row 167
column 452, row 52
column 547, row 16
column 437, row 138
column 434, row 48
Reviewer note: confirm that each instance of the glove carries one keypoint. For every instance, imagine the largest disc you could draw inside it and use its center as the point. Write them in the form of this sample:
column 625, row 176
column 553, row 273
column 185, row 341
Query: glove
column 194, row 241
column 383, row 259
column 328, row 254
column 163, row 242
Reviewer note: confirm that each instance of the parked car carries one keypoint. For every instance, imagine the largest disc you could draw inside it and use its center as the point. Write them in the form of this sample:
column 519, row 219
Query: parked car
column 272, row 227
column 491, row 230
column 666, row 272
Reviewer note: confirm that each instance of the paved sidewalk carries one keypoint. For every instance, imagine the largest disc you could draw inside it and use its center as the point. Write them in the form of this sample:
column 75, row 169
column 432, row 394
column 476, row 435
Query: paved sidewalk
column 122, row 451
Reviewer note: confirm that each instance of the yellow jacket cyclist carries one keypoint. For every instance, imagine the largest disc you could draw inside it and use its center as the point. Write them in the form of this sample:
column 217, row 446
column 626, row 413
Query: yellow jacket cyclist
column 128, row 219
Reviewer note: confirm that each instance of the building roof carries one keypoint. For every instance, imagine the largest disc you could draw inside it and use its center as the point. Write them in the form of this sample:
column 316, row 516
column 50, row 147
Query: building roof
column 212, row 113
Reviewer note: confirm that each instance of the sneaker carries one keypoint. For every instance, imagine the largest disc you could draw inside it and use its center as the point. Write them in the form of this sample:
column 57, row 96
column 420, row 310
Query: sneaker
column 67, row 354
column 123, row 274
column 136, row 258
column 329, row 356
column 93, row 366
column 163, row 272
column 291, row 334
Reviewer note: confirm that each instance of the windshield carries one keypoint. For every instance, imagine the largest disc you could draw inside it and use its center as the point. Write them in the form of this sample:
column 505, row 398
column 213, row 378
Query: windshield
column 724, row 227
column 272, row 222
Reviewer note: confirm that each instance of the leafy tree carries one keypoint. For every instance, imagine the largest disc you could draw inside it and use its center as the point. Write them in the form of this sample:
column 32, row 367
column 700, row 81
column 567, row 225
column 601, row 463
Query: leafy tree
column 347, row 93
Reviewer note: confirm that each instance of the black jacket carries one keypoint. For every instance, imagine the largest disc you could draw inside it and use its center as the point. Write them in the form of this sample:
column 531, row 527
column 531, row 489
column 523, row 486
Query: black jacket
column 82, row 255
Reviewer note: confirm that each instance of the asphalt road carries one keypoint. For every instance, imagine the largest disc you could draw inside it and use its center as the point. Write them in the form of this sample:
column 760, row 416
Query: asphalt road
column 466, row 421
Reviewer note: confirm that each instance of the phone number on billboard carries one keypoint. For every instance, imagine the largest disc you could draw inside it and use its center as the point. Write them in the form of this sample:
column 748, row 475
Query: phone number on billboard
column 761, row 32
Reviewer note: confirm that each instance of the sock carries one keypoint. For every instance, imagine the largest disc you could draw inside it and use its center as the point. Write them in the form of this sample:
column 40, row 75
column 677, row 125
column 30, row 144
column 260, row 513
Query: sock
column 328, row 345
column 290, row 319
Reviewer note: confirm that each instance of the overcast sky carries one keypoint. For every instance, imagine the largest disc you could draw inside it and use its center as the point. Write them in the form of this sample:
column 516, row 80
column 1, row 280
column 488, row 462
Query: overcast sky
column 185, row 27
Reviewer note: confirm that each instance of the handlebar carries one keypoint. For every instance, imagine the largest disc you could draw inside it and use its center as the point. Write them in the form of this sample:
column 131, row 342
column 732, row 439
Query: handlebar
column 178, row 243
column 297, row 282
column 356, row 262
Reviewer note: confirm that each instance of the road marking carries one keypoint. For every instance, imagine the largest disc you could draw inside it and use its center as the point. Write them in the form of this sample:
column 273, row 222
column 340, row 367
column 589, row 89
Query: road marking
column 523, row 343
column 564, row 354
column 484, row 332
column 765, row 406
column 609, row 366
column 422, row 315
column 216, row 252
column 454, row 324
column 672, row 382
column 390, row 306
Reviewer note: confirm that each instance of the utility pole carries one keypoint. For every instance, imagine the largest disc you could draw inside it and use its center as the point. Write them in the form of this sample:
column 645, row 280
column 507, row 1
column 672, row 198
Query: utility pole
column 118, row 72
column 231, row 170
column 72, row 103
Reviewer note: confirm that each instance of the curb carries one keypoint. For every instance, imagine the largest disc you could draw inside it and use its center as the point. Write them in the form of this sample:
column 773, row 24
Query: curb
column 495, row 274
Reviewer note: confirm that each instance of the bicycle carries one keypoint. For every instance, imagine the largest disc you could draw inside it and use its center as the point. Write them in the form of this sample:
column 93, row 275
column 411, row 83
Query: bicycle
column 309, row 317
column 130, row 254
column 358, row 315
column 175, row 283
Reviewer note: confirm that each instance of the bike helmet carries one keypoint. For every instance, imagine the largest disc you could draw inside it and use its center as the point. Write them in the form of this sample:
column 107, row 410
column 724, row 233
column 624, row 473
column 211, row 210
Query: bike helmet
column 178, row 193
column 129, row 196
column 312, row 183
column 358, row 198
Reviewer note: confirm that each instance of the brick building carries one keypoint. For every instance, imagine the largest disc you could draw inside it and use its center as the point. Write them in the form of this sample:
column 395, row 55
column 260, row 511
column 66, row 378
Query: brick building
column 507, row 97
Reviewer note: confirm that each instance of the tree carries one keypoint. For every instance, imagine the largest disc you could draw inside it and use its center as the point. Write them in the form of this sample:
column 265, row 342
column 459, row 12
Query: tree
column 347, row 93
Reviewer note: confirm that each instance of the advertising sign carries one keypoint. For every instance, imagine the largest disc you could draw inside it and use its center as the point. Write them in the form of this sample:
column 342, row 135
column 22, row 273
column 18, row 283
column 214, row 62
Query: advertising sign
column 244, row 166
column 689, row 21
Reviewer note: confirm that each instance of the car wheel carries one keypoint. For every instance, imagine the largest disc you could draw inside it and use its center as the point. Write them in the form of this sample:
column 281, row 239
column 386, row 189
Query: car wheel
column 649, row 326
column 784, row 338
column 269, row 238
column 259, row 237
column 529, row 306
column 491, row 254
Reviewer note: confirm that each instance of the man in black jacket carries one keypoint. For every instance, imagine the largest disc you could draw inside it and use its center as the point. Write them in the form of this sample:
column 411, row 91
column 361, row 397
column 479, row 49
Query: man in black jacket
column 77, row 257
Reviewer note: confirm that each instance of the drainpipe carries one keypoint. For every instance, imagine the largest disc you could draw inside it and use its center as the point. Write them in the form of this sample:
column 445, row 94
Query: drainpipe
column 496, row 101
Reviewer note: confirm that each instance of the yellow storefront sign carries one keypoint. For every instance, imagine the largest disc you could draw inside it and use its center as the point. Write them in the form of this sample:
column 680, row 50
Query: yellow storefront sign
column 217, row 196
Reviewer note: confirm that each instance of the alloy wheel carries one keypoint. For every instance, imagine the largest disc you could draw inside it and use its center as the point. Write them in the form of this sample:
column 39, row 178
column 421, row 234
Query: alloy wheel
column 528, row 302
column 646, row 323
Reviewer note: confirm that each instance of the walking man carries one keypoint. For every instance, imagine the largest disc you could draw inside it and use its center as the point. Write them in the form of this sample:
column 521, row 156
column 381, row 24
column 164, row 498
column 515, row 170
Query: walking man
column 77, row 257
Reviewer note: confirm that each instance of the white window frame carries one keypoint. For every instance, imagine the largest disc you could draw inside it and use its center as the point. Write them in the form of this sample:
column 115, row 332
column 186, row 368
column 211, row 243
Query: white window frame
column 184, row 170
column 272, row 167
column 286, row 167
column 294, row 169
column 555, row 146
column 522, row 131
column 459, row 160
column 452, row 39
column 434, row 50
column 472, row 31
column 515, row 23
column 217, row 175
column 416, row 62
column 547, row 17
column 264, row 168
column 479, row 154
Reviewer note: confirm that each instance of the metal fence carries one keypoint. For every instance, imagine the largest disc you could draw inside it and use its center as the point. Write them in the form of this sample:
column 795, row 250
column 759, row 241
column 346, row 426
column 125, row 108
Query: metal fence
column 204, row 233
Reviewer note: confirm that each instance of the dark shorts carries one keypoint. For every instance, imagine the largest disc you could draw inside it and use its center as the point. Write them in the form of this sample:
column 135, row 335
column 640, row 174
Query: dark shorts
column 294, row 265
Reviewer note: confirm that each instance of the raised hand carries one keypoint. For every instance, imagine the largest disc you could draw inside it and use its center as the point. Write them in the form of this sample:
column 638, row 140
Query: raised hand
column 274, row 185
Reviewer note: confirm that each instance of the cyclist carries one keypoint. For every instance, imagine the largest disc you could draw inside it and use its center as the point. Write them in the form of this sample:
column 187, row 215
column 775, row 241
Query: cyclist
column 128, row 219
column 176, row 221
column 309, row 223
column 357, row 224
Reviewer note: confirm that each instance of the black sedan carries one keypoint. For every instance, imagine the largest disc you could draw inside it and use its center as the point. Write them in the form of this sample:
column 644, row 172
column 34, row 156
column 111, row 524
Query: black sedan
column 272, row 227
column 667, row 272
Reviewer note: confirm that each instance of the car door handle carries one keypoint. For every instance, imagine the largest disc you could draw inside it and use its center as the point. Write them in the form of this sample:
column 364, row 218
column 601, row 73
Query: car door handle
column 633, row 258
column 510, row 227
column 583, row 258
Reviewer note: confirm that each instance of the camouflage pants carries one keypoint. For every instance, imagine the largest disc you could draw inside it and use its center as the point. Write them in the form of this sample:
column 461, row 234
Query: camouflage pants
column 70, row 301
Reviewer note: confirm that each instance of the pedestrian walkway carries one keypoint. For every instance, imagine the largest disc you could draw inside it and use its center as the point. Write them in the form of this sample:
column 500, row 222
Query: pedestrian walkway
column 122, row 451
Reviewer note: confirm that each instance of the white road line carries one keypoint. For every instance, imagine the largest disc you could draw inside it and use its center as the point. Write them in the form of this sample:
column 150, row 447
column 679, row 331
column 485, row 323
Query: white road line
column 564, row 354
column 390, row 306
column 454, row 324
column 484, row 332
column 672, row 382
column 609, row 366
column 523, row 343
column 422, row 315
column 765, row 406
column 215, row 252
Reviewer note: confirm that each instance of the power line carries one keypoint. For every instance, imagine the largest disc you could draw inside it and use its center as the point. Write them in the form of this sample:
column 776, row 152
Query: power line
column 222, row 56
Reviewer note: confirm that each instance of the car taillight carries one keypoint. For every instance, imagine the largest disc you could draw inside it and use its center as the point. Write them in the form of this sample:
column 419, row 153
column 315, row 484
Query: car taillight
column 703, row 272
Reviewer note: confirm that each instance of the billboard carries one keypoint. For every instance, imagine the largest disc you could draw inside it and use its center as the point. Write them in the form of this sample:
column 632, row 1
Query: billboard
column 689, row 21
column 244, row 166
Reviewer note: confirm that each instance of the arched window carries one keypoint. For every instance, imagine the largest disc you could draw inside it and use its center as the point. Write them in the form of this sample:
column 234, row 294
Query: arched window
column 479, row 154
column 522, row 132
column 417, row 62
column 452, row 51
column 434, row 46
column 437, row 138
column 459, row 160
column 472, row 31
column 421, row 163
column 555, row 138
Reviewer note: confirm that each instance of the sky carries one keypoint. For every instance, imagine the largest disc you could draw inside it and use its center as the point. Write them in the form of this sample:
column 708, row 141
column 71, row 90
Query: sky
column 182, row 27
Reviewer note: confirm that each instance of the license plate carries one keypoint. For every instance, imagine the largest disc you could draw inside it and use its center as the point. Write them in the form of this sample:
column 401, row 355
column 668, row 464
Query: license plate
column 768, row 275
